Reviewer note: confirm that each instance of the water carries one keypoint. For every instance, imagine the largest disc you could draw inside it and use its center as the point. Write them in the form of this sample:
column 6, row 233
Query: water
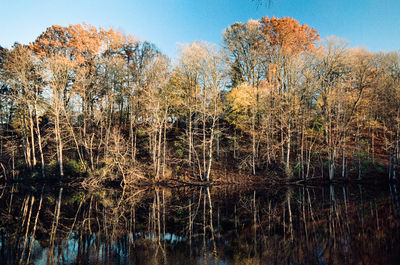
column 220, row 225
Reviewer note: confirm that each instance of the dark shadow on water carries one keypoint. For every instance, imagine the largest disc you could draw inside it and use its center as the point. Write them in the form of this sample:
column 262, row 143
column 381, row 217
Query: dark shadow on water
column 203, row 225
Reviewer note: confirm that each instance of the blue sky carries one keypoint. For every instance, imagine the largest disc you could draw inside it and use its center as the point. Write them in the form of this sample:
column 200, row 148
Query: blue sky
column 374, row 24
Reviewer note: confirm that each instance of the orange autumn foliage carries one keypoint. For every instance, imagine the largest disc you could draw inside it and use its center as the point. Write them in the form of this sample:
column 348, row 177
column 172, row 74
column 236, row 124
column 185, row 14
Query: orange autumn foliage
column 288, row 36
column 79, row 43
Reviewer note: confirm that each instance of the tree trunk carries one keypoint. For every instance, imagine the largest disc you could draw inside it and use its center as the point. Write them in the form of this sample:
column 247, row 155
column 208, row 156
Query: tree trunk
column 164, row 145
column 31, row 127
column 253, row 162
column 25, row 144
column 39, row 140
column 288, row 169
column 204, row 143
column 190, row 138
column 160, row 136
column 59, row 144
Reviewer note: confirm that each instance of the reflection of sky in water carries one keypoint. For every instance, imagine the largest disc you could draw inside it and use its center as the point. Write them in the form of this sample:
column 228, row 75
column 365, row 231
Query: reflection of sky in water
column 67, row 251
column 68, row 254
column 173, row 238
column 321, row 259
column 208, row 258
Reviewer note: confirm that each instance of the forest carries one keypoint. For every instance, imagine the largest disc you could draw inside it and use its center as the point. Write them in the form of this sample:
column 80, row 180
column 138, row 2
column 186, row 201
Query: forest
column 273, row 103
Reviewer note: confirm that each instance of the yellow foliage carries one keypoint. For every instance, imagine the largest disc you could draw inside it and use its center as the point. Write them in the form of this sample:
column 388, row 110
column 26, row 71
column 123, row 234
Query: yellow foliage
column 246, row 101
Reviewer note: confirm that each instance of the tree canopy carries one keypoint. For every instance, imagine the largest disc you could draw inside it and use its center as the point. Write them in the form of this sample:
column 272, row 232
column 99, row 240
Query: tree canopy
column 106, row 106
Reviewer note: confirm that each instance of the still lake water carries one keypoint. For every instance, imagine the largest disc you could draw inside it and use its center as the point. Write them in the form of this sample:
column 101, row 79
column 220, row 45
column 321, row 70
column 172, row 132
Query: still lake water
column 351, row 224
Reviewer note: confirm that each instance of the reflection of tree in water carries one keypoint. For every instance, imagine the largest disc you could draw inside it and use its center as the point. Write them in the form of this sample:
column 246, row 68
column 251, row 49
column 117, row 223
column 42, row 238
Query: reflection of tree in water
column 154, row 225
